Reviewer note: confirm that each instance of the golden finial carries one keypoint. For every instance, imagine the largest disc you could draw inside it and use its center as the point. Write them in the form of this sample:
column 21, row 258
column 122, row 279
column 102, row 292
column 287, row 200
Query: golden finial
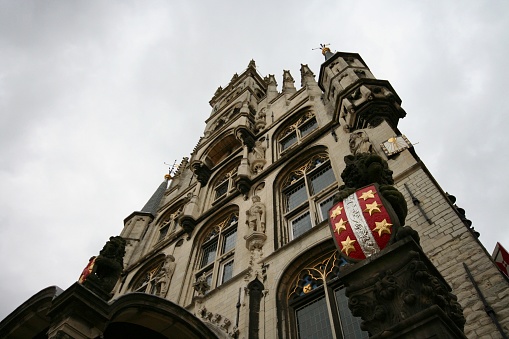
column 324, row 48
column 171, row 170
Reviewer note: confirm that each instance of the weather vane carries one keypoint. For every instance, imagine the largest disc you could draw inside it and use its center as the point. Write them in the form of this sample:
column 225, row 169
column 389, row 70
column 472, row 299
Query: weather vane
column 324, row 47
column 171, row 170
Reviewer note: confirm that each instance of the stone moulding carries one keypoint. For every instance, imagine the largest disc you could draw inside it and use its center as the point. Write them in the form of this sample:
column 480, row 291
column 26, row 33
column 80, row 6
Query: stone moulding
column 398, row 290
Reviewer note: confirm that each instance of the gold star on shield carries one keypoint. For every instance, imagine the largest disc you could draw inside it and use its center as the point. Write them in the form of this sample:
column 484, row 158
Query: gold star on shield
column 366, row 195
column 348, row 245
column 382, row 227
column 373, row 207
column 340, row 226
column 336, row 212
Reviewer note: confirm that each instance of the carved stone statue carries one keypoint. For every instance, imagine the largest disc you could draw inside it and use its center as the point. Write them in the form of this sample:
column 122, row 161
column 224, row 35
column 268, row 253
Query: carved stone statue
column 164, row 276
column 201, row 285
column 257, row 157
column 107, row 266
column 256, row 215
column 359, row 143
column 260, row 119
column 364, row 169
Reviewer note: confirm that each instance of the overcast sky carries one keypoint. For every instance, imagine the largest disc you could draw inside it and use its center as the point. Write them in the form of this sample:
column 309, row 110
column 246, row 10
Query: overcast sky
column 96, row 95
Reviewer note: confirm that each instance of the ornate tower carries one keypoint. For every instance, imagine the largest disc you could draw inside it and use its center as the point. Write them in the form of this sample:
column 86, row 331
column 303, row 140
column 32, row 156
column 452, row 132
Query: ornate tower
column 237, row 243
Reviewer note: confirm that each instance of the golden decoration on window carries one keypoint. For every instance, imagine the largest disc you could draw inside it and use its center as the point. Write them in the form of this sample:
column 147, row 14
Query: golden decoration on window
column 314, row 276
column 296, row 124
column 301, row 171
column 218, row 228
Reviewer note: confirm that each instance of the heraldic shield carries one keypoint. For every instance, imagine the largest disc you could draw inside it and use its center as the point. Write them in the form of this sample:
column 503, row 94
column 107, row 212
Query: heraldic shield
column 363, row 223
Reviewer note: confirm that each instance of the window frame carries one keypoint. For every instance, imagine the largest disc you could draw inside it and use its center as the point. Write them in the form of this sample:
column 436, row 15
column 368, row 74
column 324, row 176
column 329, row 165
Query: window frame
column 218, row 236
column 148, row 274
column 169, row 222
column 302, row 177
column 296, row 129
column 228, row 179
column 329, row 286
column 228, row 260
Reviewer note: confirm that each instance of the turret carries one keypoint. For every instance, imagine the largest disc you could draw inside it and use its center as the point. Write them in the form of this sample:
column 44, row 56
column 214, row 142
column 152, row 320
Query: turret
column 137, row 223
column 358, row 99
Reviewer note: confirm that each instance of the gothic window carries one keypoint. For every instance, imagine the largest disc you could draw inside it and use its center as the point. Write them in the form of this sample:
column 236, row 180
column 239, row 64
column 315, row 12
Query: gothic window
column 168, row 223
column 293, row 134
column 225, row 184
column 307, row 195
column 147, row 281
column 217, row 251
column 318, row 305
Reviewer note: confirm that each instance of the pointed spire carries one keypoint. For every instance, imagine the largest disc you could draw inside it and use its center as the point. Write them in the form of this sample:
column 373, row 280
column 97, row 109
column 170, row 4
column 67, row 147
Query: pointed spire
column 154, row 201
column 288, row 83
column 271, row 87
column 252, row 64
column 306, row 75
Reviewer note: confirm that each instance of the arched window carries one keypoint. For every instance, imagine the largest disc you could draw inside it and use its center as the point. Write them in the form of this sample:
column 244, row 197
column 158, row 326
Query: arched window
column 216, row 261
column 168, row 223
column 146, row 280
column 293, row 134
column 316, row 303
column 224, row 183
column 307, row 195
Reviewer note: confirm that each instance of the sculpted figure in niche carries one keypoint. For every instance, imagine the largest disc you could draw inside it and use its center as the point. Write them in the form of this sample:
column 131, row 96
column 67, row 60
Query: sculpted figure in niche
column 164, row 276
column 359, row 143
column 257, row 157
column 256, row 215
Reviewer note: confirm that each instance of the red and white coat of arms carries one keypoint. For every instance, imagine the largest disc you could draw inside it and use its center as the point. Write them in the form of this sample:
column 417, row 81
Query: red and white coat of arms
column 363, row 223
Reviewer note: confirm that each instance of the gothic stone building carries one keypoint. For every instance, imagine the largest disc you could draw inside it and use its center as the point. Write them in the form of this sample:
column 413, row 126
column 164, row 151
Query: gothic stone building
column 236, row 242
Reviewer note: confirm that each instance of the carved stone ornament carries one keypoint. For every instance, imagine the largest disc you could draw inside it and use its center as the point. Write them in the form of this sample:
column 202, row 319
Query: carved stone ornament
column 398, row 293
column 217, row 320
column 107, row 266
column 369, row 104
column 202, row 172
column 257, row 157
column 359, row 143
column 255, row 215
column 260, row 119
column 164, row 276
column 255, row 240
column 201, row 285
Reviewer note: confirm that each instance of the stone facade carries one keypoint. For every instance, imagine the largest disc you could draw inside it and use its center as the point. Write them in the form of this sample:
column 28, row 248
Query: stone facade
column 257, row 272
